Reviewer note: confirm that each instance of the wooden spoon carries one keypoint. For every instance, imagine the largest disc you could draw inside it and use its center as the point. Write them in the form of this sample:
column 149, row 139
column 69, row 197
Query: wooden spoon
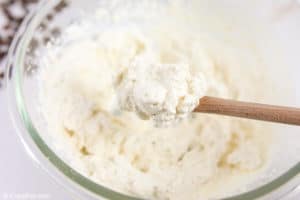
column 286, row 115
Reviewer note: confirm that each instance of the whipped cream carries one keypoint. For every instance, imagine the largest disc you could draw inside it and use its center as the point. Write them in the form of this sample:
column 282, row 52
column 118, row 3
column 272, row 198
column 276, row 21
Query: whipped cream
column 162, row 90
column 158, row 65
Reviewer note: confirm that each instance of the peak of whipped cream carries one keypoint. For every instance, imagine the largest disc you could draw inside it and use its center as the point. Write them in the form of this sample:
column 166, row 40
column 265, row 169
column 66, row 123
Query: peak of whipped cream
column 164, row 92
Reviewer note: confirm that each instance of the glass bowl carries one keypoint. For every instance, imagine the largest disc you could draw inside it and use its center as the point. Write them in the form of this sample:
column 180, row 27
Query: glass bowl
column 50, row 17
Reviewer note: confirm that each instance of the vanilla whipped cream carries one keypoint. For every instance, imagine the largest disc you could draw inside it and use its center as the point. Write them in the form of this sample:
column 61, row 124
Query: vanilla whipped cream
column 157, row 65
column 162, row 90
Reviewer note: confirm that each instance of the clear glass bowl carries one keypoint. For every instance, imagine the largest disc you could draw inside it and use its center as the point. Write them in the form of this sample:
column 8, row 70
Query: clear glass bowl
column 47, row 21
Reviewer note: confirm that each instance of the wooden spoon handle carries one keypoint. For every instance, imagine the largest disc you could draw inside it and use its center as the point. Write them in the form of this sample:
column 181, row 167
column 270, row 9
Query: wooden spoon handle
column 286, row 115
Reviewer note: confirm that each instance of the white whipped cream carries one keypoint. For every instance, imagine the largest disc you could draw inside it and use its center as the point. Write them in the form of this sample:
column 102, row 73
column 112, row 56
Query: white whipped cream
column 162, row 90
column 154, row 65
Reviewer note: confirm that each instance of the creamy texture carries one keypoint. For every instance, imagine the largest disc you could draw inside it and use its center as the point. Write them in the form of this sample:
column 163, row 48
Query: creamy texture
column 153, row 63
column 159, row 85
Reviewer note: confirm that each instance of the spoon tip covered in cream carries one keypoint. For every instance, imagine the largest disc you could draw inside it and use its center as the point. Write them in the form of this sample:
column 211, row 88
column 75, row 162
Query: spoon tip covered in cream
column 163, row 92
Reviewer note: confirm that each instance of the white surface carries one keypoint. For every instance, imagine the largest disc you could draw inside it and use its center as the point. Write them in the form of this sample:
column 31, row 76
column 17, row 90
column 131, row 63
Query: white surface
column 20, row 177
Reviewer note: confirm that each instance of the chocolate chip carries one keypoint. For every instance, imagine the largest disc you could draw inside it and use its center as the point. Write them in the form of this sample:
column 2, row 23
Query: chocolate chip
column 49, row 17
column 1, row 78
column 2, row 55
column 12, row 20
column 46, row 39
column 34, row 43
column 55, row 32
column 59, row 7
column 43, row 25
column 13, row 12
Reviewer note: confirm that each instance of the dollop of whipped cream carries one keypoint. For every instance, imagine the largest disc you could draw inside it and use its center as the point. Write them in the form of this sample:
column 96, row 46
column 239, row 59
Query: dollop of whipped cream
column 162, row 92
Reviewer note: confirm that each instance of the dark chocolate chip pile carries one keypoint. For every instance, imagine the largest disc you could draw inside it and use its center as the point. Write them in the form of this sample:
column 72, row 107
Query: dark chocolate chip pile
column 12, row 13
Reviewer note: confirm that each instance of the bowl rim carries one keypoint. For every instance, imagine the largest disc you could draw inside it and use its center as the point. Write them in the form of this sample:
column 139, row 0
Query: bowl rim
column 40, row 152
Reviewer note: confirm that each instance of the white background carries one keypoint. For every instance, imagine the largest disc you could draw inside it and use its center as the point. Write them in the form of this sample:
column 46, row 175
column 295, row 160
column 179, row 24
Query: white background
column 19, row 175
